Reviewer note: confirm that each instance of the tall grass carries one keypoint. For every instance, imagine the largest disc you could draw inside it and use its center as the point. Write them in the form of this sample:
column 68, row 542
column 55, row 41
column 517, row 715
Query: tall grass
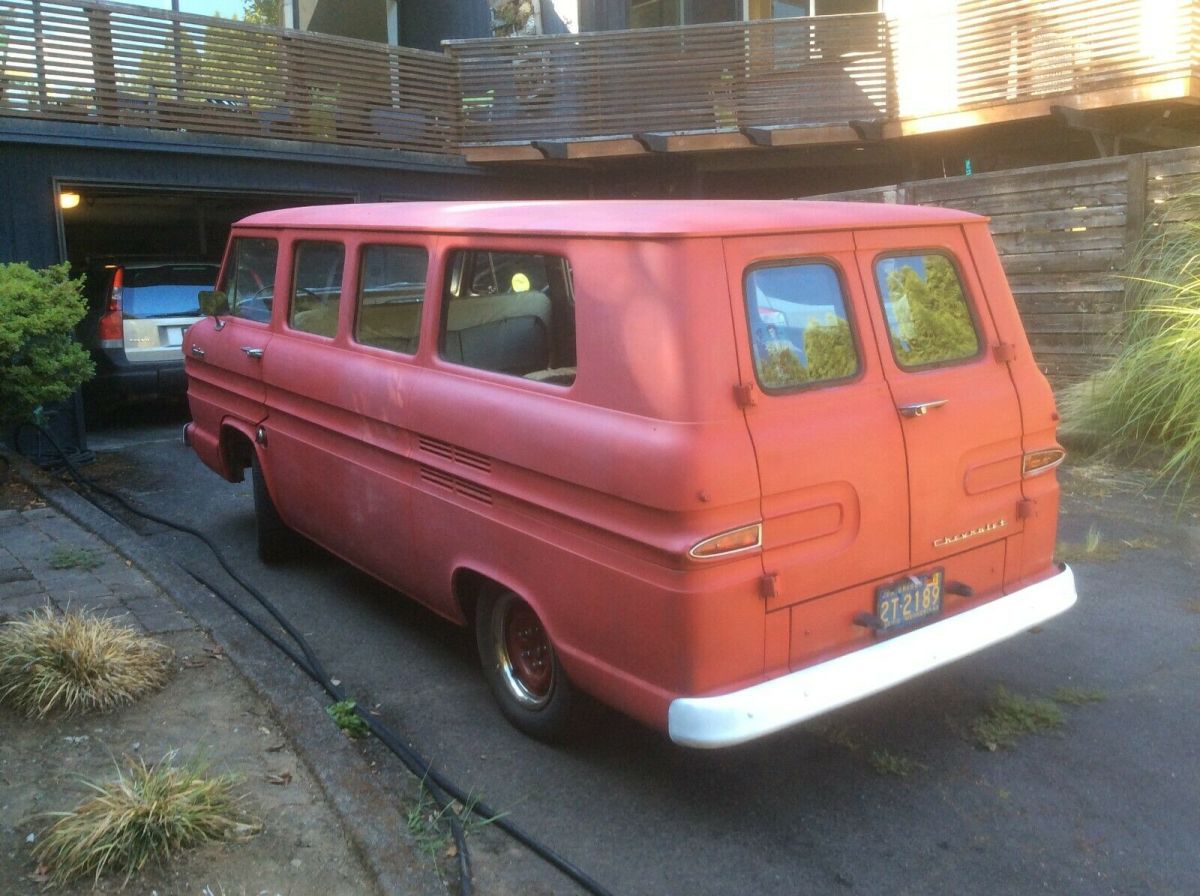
column 1148, row 400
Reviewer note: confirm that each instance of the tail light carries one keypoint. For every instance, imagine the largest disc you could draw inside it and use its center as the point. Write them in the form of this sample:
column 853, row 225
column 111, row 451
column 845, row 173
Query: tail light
column 1041, row 461
column 112, row 321
column 747, row 538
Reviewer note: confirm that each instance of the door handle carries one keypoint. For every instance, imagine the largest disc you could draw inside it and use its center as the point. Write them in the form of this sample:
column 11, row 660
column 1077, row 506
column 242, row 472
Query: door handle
column 921, row 408
column 197, row 351
column 252, row 352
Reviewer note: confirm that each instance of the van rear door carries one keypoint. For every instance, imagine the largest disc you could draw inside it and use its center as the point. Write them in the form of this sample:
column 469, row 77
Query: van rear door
column 821, row 417
column 953, row 396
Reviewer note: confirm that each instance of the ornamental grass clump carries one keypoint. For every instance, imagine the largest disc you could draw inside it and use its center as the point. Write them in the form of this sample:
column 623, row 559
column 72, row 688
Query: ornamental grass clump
column 148, row 813
column 72, row 663
column 1149, row 399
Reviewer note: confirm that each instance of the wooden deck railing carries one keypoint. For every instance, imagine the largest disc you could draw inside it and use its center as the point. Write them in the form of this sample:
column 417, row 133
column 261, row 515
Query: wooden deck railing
column 101, row 63
column 702, row 77
column 125, row 65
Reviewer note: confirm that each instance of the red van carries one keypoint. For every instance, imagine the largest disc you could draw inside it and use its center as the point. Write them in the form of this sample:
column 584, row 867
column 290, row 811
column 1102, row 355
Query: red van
column 722, row 465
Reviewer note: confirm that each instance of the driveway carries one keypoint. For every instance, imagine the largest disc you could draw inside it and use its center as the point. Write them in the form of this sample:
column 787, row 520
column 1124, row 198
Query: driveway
column 894, row 795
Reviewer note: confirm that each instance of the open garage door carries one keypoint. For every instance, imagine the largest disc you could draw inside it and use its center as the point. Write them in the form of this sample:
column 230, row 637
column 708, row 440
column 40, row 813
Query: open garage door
column 146, row 254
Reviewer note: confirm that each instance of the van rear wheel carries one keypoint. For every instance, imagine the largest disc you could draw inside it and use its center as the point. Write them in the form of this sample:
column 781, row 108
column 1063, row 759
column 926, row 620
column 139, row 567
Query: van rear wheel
column 521, row 667
column 276, row 542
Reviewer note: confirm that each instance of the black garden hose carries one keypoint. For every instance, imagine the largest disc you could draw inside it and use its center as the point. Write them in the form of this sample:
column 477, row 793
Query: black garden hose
column 442, row 789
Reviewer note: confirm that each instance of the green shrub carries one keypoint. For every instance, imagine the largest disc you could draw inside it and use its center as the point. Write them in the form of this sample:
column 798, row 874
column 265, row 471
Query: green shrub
column 1149, row 398
column 40, row 363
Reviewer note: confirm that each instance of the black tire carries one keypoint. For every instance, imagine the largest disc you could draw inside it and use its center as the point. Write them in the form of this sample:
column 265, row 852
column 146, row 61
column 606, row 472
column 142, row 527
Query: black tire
column 533, row 691
column 276, row 542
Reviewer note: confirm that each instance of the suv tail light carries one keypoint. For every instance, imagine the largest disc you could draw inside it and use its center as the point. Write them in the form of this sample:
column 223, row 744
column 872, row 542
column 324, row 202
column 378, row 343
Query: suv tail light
column 112, row 321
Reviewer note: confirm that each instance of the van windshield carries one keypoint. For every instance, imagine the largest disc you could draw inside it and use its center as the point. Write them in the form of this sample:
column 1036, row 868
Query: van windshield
column 165, row 290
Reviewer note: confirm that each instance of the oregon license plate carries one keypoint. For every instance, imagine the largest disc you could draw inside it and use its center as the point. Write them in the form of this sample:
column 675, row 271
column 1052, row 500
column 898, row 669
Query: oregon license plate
column 909, row 600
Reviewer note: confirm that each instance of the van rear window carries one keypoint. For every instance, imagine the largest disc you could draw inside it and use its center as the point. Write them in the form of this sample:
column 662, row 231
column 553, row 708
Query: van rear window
column 798, row 325
column 926, row 310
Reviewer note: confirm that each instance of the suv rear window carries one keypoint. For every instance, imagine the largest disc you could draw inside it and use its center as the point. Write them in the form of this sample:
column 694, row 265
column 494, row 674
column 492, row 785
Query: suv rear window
column 165, row 290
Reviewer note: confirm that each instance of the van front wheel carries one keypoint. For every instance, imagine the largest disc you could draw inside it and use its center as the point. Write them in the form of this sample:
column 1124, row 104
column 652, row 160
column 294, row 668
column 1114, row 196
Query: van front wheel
column 521, row 667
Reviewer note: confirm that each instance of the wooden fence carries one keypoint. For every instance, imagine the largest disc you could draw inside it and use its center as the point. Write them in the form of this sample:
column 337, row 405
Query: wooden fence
column 1065, row 234
column 134, row 66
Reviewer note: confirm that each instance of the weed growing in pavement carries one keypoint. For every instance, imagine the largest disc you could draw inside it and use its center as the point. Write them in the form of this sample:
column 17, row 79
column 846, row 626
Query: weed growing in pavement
column 1071, row 696
column 146, row 813
column 1008, row 716
column 344, row 714
column 69, row 556
column 71, row 662
column 885, row 762
column 1094, row 549
column 430, row 824
column 882, row 760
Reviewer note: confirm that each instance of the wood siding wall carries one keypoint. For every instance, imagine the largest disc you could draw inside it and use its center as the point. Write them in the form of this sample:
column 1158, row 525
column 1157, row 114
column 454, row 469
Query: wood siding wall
column 1065, row 234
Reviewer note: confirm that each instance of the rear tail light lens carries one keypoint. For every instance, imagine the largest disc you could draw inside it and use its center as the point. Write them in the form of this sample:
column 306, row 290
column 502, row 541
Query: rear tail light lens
column 112, row 321
column 1036, row 462
column 747, row 538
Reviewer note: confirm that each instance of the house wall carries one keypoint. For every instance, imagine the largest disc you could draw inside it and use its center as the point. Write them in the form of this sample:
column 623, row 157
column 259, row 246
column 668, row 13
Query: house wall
column 1065, row 234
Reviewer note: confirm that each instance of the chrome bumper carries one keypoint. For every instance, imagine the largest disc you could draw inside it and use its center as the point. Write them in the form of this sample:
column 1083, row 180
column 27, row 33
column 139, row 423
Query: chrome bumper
column 761, row 709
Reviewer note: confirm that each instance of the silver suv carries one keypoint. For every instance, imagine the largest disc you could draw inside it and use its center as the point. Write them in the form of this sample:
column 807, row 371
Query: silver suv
column 137, row 315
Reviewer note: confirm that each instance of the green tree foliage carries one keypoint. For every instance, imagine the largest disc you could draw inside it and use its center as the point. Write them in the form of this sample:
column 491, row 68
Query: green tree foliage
column 40, row 363
column 781, row 370
column 932, row 320
column 830, row 349
column 262, row 12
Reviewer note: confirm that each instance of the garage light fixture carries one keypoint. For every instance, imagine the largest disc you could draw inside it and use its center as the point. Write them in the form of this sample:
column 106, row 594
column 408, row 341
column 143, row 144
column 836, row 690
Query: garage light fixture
column 68, row 200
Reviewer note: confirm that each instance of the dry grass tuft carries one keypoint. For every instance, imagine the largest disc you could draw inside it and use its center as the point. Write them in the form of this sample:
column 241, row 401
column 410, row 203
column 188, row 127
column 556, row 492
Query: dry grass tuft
column 71, row 663
column 1009, row 715
column 147, row 813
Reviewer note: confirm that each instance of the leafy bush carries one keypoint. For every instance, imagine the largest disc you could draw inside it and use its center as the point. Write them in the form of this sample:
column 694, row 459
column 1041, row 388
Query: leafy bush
column 39, row 361
column 1149, row 398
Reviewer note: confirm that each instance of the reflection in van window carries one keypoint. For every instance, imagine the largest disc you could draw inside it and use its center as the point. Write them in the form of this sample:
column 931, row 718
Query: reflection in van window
column 511, row 312
column 250, row 278
column 391, row 289
column 316, row 287
column 798, row 325
column 926, row 310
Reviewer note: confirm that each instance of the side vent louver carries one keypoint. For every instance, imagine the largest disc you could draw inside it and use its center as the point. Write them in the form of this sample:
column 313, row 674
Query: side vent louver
column 455, row 454
column 456, row 484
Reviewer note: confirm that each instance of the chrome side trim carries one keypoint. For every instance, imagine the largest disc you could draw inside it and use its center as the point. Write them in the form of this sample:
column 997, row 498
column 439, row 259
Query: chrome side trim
column 761, row 709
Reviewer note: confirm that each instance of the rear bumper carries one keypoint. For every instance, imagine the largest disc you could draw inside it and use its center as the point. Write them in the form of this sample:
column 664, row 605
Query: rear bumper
column 761, row 709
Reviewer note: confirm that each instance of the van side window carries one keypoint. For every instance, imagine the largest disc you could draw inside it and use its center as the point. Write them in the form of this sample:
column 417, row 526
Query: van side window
column 798, row 325
column 391, row 290
column 316, row 287
column 250, row 278
column 510, row 312
column 926, row 309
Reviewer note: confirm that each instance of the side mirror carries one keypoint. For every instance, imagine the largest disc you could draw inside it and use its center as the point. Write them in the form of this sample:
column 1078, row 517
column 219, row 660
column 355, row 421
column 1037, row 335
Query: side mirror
column 213, row 303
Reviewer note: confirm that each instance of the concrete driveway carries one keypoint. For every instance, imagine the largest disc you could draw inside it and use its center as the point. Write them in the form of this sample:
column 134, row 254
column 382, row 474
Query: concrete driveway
column 894, row 795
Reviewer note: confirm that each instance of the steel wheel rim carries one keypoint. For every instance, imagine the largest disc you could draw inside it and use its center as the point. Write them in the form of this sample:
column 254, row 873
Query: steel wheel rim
column 524, row 656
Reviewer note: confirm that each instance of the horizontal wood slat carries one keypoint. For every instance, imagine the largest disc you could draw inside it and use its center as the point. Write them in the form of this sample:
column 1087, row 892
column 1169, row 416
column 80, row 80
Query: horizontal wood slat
column 122, row 65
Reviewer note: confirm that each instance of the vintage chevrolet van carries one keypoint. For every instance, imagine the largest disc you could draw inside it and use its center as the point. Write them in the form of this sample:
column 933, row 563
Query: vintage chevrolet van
column 722, row 465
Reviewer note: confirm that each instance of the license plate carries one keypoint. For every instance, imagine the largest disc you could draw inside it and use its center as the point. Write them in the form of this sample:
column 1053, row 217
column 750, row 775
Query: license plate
column 174, row 335
column 909, row 600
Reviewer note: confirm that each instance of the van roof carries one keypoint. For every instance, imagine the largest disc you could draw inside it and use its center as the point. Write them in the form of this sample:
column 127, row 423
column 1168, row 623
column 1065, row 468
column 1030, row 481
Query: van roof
column 612, row 218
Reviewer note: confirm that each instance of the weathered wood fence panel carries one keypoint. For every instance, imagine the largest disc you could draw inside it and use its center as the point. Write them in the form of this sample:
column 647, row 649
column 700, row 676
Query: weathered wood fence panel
column 1065, row 234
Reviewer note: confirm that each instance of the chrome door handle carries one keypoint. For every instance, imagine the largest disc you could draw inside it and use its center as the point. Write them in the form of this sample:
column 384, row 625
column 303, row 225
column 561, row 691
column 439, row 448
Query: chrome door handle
column 252, row 352
column 197, row 351
column 921, row 408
